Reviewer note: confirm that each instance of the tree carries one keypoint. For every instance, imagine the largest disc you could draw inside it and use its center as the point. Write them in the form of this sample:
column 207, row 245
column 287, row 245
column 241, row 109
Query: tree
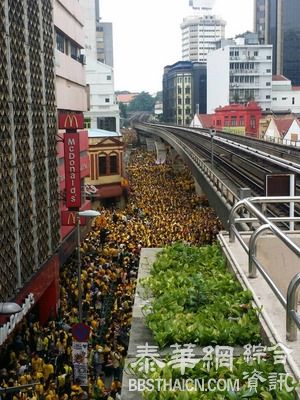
column 123, row 110
column 142, row 102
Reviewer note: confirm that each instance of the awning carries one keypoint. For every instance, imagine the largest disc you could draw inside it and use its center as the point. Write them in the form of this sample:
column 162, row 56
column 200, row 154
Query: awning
column 109, row 191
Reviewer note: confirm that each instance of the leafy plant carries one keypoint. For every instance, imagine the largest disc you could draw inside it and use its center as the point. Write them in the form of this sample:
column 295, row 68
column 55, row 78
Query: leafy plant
column 194, row 299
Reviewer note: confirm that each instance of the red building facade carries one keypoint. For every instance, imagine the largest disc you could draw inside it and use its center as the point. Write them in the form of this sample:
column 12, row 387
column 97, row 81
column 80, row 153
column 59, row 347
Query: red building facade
column 238, row 118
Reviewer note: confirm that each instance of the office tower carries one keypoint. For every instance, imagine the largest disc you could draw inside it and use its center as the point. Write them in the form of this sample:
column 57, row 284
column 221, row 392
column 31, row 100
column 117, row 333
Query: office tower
column 199, row 36
column 277, row 23
column 184, row 91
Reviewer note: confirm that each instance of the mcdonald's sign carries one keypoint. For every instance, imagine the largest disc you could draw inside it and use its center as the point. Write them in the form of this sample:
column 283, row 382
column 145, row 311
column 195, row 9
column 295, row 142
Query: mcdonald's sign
column 71, row 120
column 72, row 170
column 68, row 218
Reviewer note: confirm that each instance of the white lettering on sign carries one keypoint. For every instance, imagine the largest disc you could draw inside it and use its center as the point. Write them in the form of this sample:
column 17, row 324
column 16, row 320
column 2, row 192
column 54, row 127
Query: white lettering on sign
column 14, row 319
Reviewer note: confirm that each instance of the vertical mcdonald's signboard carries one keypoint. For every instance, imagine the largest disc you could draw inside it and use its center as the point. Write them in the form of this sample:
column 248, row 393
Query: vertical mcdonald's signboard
column 72, row 170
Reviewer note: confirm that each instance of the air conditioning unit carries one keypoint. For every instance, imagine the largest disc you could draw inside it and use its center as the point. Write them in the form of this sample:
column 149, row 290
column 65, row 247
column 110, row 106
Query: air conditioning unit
column 82, row 59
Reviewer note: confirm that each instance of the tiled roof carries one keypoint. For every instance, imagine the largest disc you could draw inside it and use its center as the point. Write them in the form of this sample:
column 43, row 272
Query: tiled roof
column 283, row 124
column 205, row 119
column 126, row 98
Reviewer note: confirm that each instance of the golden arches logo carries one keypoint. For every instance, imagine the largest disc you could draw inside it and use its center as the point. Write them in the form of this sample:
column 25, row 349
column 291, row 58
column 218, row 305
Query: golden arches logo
column 69, row 119
column 71, row 218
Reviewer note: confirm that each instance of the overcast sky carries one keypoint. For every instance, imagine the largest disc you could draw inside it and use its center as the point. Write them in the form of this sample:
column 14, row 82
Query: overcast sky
column 147, row 36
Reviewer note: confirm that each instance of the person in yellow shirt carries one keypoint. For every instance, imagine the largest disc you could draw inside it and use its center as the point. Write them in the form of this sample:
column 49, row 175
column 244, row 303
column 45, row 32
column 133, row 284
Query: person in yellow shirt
column 37, row 363
column 48, row 369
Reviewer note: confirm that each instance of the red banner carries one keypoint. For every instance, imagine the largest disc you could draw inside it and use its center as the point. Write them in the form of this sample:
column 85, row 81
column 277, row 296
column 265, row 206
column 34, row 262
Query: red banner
column 68, row 218
column 71, row 120
column 72, row 170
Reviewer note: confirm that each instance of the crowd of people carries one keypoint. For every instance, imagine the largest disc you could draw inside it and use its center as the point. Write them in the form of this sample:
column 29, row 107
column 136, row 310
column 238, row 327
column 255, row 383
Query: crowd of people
column 162, row 208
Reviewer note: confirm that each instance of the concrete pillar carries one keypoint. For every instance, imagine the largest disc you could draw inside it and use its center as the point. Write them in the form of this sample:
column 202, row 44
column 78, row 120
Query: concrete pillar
column 161, row 152
column 150, row 144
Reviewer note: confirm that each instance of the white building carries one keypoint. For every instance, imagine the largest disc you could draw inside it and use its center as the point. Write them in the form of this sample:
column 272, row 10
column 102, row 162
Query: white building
column 199, row 36
column 103, row 110
column 239, row 73
column 285, row 97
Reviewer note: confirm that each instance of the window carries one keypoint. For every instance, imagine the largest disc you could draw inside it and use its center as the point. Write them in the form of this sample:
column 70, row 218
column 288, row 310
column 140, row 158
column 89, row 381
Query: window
column 74, row 51
column 269, row 57
column 218, row 122
column 60, row 42
column 268, row 83
column 255, row 53
column 283, row 98
column 106, row 99
column 108, row 77
column 274, row 98
column 268, row 70
column 293, row 100
column 233, row 121
column 113, row 164
column 179, row 90
column 226, row 121
column 187, row 90
column 179, row 100
column 87, row 123
column 241, row 123
column 268, row 97
column 102, row 164
column 187, row 100
column 252, row 122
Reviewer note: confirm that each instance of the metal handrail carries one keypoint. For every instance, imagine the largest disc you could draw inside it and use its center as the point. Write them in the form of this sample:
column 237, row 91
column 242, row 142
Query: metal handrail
column 291, row 302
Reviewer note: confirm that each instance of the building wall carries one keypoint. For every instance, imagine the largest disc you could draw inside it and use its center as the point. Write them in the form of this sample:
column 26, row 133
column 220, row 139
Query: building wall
column 246, row 69
column 104, row 38
column 284, row 98
column 29, row 225
column 217, row 79
column 69, row 67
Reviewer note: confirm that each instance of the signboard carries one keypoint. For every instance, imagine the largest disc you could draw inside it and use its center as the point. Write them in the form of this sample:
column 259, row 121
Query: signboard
column 80, row 362
column 68, row 218
column 277, row 185
column 70, row 120
column 14, row 319
column 81, row 332
column 72, row 170
column 282, row 185
column 237, row 130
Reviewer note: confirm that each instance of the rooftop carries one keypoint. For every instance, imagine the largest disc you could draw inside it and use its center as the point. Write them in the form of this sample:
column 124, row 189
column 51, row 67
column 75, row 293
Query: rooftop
column 93, row 133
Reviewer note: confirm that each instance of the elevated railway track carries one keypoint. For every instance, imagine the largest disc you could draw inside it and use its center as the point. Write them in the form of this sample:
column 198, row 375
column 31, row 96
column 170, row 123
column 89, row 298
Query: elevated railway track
column 244, row 162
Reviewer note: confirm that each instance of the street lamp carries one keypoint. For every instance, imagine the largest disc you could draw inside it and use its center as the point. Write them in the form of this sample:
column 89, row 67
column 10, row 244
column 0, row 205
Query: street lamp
column 212, row 133
column 87, row 214
column 10, row 308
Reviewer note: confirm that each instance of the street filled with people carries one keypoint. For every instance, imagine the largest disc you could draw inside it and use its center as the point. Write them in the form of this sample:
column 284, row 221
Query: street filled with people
column 162, row 208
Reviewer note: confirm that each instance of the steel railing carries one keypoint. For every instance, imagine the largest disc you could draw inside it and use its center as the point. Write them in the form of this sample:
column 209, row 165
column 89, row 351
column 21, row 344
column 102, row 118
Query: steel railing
column 290, row 303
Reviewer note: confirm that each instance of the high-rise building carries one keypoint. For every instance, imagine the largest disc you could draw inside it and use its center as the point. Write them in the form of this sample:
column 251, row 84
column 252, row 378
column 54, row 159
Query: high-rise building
column 277, row 23
column 199, row 36
column 239, row 73
column 104, row 39
column 184, row 91
column 103, row 110
column 29, row 209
